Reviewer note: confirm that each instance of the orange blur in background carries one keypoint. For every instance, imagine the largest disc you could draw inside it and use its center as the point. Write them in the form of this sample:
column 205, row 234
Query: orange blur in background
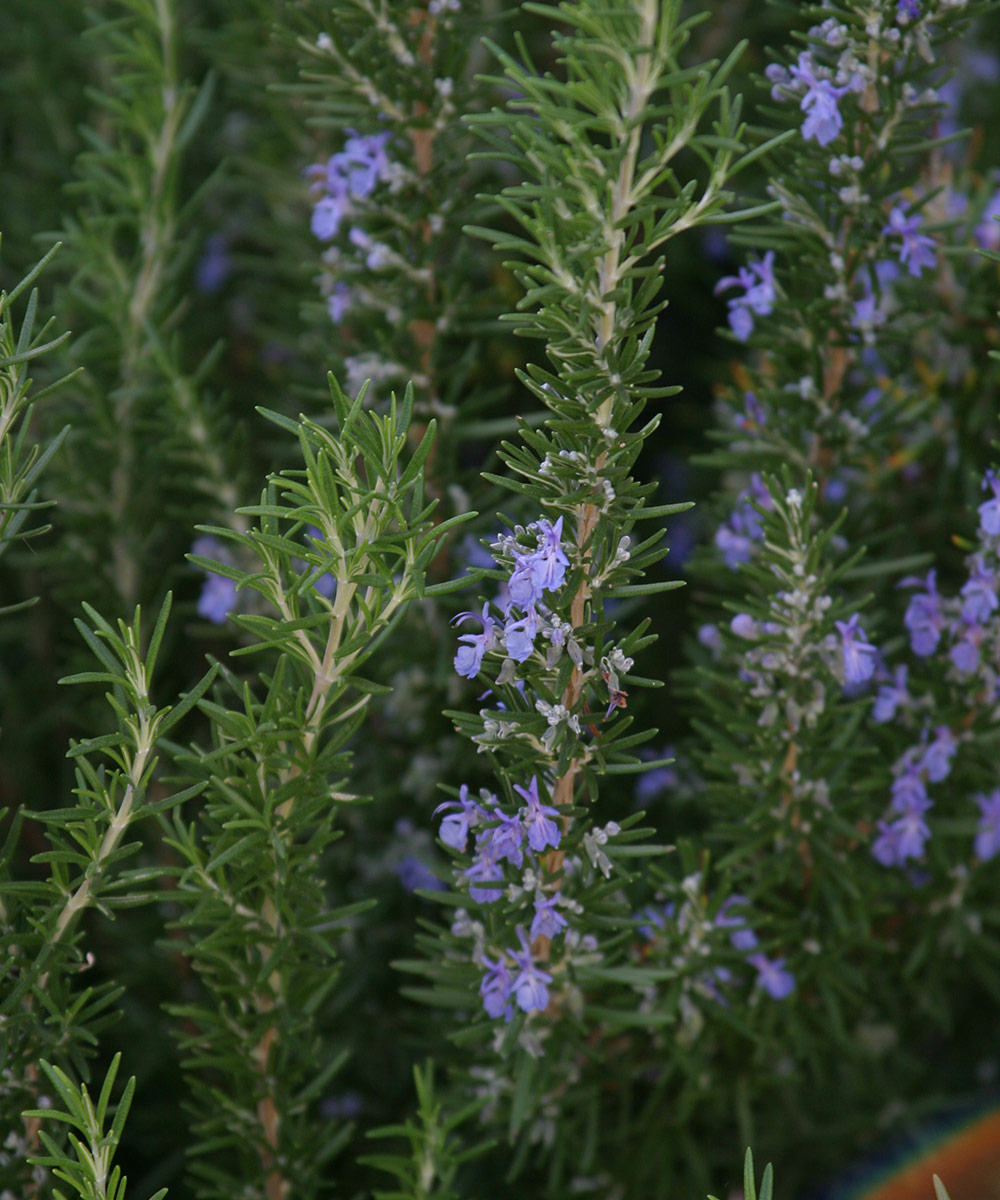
column 968, row 1163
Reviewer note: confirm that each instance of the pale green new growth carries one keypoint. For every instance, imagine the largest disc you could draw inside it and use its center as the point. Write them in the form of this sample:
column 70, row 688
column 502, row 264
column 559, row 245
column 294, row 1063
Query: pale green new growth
column 91, row 1173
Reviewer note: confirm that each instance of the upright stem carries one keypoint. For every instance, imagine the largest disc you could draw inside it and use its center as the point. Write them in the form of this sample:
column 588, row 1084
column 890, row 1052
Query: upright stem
column 610, row 273
column 156, row 240
column 82, row 897
column 326, row 672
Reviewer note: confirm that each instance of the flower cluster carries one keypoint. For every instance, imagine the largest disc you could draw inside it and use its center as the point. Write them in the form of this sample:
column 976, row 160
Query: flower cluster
column 514, row 842
column 348, row 176
column 905, row 835
column 532, row 575
column 500, row 837
column 757, row 299
column 839, row 64
column 961, row 633
column 819, row 86
column 828, row 392
column 687, row 933
column 342, row 183
column 916, row 250
column 737, row 536
column 966, row 620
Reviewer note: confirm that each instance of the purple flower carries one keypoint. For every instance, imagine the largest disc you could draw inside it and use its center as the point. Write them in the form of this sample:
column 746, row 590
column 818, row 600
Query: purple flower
column 988, row 834
column 326, row 217
column 338, row 302
column 735, row 548
column 923, row 617
column 413, row 874
column 937, row 757
column 964, row 652
column 901, row 840
column 772, row 977
column 743, row 937
column 909, row 793
column 859, row 655
column 989, row 512
column 519, row 636
column 736, row 538
column 454, row 831
column 218, row 595
column 547, row 921
column 652, row 783
column 529, row 987
column 836, row 489
column 892, row 696
column 485, row 869
column 979, row 595
column 865, row 310
column 886, row 272
column 867, row 313
column 353, row 172
column 523, row 588
column 819, row 102
column 469, row 658
column 823, row 121
column 987, row 232
column 550, row 558
column 542, row 831
column 906, row 836
column 495, row 988
column 743, row 625
column 504, row 840
column 217, row 599
column 907, row 10
column 757, row 281
column 362, row 163
column 917, row 250
column 778, row 75
column 214, row 265
column 657, row 918
column 541, row 571
column 754, row 416
column 912, row 832
column 658, row 779
column 710, row 638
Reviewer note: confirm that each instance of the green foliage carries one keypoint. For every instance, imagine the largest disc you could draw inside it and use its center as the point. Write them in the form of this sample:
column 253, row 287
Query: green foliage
column 627, row 116
column 597, row 200
column 21, row 459
column 90, row 1173
column 339, row 549
column 143, row 434
column 419, row 299
column 428, row 1171
column 318, row 941
column 750, row 1191
column 44, row 1010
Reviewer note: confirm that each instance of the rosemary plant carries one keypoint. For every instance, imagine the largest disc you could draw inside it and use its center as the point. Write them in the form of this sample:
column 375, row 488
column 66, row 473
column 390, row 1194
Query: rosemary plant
column 428, row 842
